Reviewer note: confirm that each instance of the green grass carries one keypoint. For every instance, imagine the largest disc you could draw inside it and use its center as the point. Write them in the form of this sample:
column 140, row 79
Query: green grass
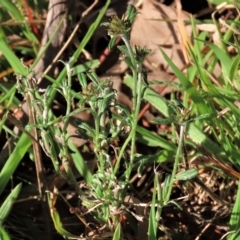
column 194, row 116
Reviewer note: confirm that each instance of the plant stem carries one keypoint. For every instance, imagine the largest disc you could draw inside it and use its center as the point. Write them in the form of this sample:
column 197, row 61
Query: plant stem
column 68, row 99
column 176, row 162
column 136, row 101
column 64, row 135
column 135, row 118
column 130, row 51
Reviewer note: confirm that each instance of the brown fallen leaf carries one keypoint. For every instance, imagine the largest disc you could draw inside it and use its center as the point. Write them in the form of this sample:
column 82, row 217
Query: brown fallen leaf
column 156, row 27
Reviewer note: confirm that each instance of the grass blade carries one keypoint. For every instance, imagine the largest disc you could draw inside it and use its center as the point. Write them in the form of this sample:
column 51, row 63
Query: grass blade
column 14, row 159
column 188, row 87
column 8, row 203
column 10, row 56
column 117, row 233
column 234, row 224
column 4, row 235
column 152, row 226
column 80, row 163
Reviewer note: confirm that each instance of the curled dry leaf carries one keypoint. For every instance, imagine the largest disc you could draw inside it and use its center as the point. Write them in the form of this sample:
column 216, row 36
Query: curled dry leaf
column 208, row 27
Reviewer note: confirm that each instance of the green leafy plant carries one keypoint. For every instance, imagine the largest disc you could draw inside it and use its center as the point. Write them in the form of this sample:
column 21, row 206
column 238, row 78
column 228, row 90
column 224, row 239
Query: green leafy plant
column 206, row 112
column 106, row 188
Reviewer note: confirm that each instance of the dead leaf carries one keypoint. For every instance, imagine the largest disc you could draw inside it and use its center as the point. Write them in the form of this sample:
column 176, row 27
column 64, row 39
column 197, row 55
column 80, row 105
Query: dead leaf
column 156, row 27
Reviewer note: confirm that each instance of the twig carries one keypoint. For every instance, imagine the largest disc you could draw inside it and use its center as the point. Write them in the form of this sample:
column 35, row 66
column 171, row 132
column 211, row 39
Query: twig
column 201, row 233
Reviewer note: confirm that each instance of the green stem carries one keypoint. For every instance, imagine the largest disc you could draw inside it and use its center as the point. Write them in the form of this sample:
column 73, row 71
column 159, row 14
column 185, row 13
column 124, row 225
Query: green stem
column 135, row 114
column 136, row 101
column 134, row 71
column 97, row 141
column 122, row 152
column 177, row 158
column 68, row 97
column 130, row 51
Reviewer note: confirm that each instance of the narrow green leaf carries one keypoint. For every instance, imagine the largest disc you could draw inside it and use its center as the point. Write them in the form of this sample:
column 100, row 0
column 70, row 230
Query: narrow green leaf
column 85, row 67
column 188, row 87
column 187, row 175
column 17, row 15
column 151, row 96
column 14, row 159
column 12, row 9
column 93, row 76
column 82, row 80
column 112, row 42
column 117, row 233
column 176, row 203
column 152, row 139
column 162, row 121
column 8, row 203
column 218, row 2
column 198, row 137
column 79, row 163
column 202, row 116
column 11, row 57
column 224, row 58
column 123, row 50
column 3, row 234
column 234, row 224
column 234, row 68
column 59, row 227
column 131, row 13
column 166, row 187
column 152, row 226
